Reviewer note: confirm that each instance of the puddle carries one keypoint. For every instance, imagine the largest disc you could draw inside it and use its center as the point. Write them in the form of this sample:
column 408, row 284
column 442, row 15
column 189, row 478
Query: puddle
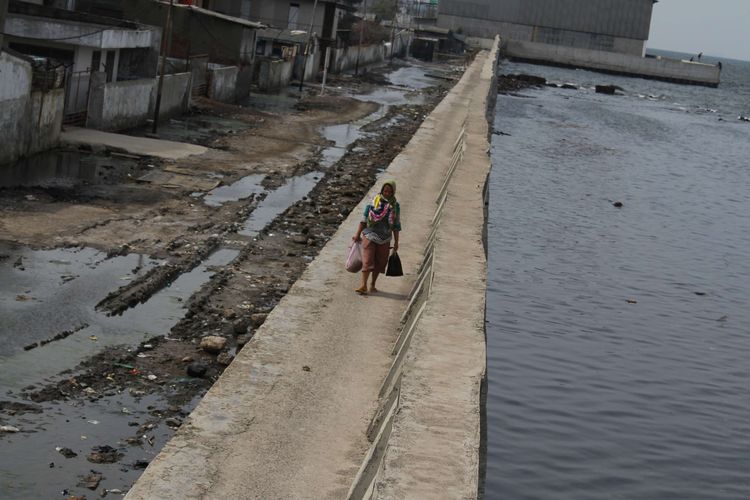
column 342, row 135
column 59, row 289
column 243, row 188
column 413, row 77
column 31, row 466
column 279, row 200
column 67, row 169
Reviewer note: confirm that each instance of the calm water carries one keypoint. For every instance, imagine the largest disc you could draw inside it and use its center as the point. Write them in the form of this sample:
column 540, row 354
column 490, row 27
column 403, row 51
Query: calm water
column 619, row 339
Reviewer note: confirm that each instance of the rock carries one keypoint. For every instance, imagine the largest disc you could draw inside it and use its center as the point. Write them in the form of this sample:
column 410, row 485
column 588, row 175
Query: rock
column 67, row 452
column 9, row 428
column 173, row 422
column 91, row 481
column 240, row 326
column 213, row 343
column 224, row 358
column 258, row 319
column 607, row 89
column 140, row 464
column 104, row 455
column 568, row 86
column 197, row 369
column 187, row 359
column 617, row 204
column 243, row 339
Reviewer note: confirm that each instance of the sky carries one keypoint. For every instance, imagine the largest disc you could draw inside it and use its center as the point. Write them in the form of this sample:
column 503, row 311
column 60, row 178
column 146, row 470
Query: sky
column 715, row 27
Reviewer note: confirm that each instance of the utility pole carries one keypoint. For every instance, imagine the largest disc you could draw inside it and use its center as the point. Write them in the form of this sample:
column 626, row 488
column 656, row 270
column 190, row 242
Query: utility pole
column 361, row 38
column 165, row 36
column 307, row 47
column 3, row 12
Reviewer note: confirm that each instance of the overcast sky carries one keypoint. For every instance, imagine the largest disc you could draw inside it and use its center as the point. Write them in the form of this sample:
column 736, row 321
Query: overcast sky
column 718, row 28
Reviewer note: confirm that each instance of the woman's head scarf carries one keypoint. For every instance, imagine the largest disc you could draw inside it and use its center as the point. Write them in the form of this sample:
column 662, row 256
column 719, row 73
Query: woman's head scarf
column 383, row 207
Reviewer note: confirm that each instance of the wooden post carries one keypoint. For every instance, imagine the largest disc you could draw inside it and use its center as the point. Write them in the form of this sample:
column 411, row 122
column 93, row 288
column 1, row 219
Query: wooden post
column 325, row 69
column 307, row 48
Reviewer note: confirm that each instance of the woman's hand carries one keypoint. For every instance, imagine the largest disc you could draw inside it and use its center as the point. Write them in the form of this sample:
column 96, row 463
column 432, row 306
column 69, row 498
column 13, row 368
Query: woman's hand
column 395, row 246
column 356, row 237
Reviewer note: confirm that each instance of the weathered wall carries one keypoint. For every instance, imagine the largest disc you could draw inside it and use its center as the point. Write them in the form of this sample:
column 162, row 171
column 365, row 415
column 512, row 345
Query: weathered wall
column 223, row 83
column 487, row 29
column 29, row 121
column 344, row 59
column 618, row 18
column 119, row 105
column 664, row 69
column 175, row 96
column 274, row 74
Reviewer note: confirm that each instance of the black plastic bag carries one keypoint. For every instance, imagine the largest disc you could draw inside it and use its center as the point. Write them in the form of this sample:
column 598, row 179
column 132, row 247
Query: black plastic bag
column 394, row 266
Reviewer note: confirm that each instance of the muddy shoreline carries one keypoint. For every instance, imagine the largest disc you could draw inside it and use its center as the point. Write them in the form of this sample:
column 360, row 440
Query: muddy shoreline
column 181, row 232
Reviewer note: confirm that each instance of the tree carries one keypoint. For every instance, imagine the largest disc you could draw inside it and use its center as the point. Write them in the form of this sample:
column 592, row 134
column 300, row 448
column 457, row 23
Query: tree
column 385, row 9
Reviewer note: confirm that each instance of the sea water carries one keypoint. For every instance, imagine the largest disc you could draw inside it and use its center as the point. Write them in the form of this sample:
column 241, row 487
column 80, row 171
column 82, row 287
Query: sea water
column 619, row 338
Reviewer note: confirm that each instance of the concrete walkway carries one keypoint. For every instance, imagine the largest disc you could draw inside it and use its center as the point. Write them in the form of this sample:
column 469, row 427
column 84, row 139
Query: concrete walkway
column 289, row 417
column 144, row 146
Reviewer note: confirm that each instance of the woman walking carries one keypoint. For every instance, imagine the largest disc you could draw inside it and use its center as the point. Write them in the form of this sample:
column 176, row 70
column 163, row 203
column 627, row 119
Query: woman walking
column 381, row 222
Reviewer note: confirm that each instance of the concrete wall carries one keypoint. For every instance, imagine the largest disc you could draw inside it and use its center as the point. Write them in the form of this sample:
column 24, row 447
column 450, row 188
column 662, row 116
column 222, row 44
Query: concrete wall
column 175, row 96
column 119, row 105
column 662, row 69
column 346, row 58
column 274, row 74
column 30, row 122
column 223, row 83
column 618, row 18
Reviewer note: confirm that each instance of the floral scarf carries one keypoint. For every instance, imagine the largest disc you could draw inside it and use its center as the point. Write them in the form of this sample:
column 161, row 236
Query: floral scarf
column 382, row 208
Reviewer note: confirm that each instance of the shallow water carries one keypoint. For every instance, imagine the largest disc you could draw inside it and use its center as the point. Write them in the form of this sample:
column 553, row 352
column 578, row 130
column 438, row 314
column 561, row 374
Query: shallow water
column 58, row 290
column 618, row 338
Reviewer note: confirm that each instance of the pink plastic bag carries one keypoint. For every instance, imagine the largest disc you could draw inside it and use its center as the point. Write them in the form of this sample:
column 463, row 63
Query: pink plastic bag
column 354, row 260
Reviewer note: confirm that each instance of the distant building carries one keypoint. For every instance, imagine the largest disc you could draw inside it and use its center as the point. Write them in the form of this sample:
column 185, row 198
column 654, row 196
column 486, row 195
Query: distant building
column 620, row 26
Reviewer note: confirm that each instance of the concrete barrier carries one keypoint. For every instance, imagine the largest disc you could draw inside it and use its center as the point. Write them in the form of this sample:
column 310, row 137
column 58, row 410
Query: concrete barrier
column 611, row 62
column 289, row 418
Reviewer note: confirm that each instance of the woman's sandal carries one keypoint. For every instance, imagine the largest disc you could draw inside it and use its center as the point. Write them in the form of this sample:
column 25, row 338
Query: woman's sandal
column 373, row 289
column 361, row 290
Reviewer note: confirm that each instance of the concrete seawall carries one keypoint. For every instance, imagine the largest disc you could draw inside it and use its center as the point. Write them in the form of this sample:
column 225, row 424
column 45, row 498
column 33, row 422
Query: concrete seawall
column 622, row 64
column 339, row 395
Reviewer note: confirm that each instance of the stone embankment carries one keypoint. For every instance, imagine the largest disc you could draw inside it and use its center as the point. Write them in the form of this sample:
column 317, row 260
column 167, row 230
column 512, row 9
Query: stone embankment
column 339, row 395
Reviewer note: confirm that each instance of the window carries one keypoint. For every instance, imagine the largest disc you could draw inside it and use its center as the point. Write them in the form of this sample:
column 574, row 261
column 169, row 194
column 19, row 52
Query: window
column 293, row 16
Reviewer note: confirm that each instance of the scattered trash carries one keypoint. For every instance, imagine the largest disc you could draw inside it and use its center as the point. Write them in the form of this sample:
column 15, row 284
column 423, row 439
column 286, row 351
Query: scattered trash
column 104, row 455
column 91, row 481
column 617, row 204
column 123, row 365
column 151, row 377
column 9, row 428
column 306, row 368
column 93, row 338
column 632, row 301
column 700, row 293
column 93, row 422
column 197, row 369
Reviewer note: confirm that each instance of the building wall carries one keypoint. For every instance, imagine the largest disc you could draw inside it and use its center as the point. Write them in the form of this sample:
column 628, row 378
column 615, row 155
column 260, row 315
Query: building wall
column 30, row 122
column 609, row 25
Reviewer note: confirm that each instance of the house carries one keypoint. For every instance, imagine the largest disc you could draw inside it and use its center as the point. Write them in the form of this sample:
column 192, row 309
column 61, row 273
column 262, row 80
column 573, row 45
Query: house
column 83, row 44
